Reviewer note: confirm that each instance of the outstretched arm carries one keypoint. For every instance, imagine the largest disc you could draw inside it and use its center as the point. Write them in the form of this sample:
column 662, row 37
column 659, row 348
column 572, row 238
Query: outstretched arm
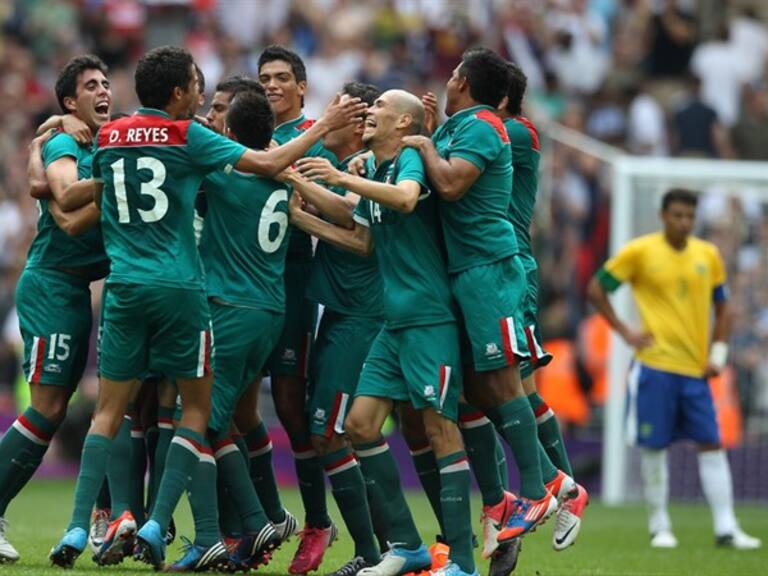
column 335, row 207
column 451, row 178
column 357, row 239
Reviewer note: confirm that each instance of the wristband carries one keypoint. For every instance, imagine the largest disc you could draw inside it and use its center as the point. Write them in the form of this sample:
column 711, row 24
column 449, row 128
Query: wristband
column 718, row 354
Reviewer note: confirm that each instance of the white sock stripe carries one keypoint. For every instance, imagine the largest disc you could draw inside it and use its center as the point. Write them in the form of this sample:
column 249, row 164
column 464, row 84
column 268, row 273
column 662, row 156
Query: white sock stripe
column 226, row 449
column 346, row 466
column 259, row 451
column 482, row 421
column 544, row 417
column 165, row 425
column 421, row 451
column 28, row 434
column 207, row 458
column 184, row 443
column 456, row 467
column 376, row 450
column 304, row 454
column 137, row 434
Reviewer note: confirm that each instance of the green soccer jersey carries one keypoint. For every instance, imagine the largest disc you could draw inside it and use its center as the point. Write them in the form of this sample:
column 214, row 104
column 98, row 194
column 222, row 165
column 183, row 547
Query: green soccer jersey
column 152, row 167
column 477, row 227
column 244, row 242
column 524, row 140
column 52, row 247
column 408, row 249
column 343, row 281
column 300, row 244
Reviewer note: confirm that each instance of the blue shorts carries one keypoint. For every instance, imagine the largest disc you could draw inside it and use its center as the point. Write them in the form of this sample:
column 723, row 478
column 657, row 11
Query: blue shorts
column 663, row 407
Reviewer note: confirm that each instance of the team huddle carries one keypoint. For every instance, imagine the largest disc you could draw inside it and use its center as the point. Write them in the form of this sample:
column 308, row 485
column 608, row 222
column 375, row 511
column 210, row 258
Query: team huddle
column 203, row 227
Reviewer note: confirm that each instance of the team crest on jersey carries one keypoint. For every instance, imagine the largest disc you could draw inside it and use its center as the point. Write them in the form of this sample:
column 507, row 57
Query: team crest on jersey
column 701, row 268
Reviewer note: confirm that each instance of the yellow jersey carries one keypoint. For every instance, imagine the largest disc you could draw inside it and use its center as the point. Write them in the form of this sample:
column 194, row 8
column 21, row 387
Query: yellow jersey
column 674, row 291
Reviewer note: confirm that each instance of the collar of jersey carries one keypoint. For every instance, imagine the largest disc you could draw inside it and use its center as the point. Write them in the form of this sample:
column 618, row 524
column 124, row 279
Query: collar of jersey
column 290, row 123
column 153, row 112
column 461, row 114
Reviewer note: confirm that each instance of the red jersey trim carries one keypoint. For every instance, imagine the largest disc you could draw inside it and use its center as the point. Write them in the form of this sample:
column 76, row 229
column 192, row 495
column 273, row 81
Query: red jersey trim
column 532, row 131
column 495, row 121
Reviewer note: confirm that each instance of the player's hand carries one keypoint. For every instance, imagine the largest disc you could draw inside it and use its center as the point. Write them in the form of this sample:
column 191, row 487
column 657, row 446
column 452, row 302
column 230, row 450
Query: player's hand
column 636, row 339
column 357, row 165
column 429, row 100
column 203, row 120
column 38, row 141
column 288, row 175
column 76, row 128
column 712, row 370
column 417, row 142
column 343, row 111
column 319, row 169
column 295, row 204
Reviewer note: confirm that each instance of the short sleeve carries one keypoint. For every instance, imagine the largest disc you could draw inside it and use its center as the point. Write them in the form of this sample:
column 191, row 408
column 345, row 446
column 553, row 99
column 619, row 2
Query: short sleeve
column 59, row 146
column 410, row 166
column 476, row 141
column 621, row 268
column 362, row 213
column 718, row 269
column 212, row 151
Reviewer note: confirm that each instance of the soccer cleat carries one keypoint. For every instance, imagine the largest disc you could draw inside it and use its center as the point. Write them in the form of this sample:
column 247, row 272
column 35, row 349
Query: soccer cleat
column 663, row 539
column 352, row 568
column 69, row 548
column 150, row 542
column 738, row 541
column 493, row 520
column 255, row 550
column 118, row 539
column 313, row 542
column 170, row 535
column 562, row 487
column 568, row 522
column 452, row 569
column 200, row 559
column 7, row 552
column 504, row 561
column 99, row 527
column 287, row 527
column 400, row 560
column 526, row 516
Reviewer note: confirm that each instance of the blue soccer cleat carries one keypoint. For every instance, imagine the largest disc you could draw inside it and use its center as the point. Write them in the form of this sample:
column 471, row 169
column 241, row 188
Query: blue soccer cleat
column 69, row 548
column 201, row 559
column 451, row 569
column 150, row 540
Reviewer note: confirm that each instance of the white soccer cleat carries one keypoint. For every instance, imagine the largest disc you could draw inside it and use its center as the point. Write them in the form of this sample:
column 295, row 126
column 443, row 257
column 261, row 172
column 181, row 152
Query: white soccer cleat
column 663, row 539
column 7, row 552
column 493, row 520
column 739, row 541
column 568, row 522
column 99, row 527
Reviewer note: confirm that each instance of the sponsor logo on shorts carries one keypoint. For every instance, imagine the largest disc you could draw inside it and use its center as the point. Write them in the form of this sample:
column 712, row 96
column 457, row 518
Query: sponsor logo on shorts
column 319, row 416
column 289, row 354
column 429, row 391
column 52, row 368
column 492, row 350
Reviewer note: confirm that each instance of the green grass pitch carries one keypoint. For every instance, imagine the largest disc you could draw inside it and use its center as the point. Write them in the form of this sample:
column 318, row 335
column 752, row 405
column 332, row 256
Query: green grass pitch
column 613, row 542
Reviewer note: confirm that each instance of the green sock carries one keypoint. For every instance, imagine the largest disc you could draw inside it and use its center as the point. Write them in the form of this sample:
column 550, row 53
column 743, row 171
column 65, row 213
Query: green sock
column 119, row 469
column 378, row 514
column 229, row 518
column 202, row 499
column 501, row 464
column 183, row 457
column 549, row 433
column 481, row 444
column 138, row 472
column 93, row 469
column 150, row 443
column 548, row 470
column 164, row 437
column 311, row 483
column 348, row 490
column 381, row 469
column 233, row 473
column 515, row 422
column 21, row 451
column 429, row 476
column 454, row 498
column 259, row 451
column 104, row 500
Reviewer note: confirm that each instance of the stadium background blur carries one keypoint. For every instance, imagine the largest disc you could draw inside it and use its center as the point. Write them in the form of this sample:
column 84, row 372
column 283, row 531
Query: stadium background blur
column 619, row 71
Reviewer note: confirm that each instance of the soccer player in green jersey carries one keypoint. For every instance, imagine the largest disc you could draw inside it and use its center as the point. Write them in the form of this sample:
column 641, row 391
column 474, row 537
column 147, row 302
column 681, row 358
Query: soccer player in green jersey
column 53, row 297
column 526, row 150
column 349, row 288
column 149, row 167
column 415, row 357
column 468, row 160
column 284, row 77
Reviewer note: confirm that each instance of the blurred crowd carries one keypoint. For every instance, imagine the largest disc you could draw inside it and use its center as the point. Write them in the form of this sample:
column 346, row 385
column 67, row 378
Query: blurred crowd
column 653, row 77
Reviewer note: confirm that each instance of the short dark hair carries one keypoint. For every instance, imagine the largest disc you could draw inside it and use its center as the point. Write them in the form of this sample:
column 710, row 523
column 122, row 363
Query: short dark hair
column 366, row 92
column 276, row 52
column 159, row 71
column 236, row 84
column 66, row 83
column 678, row 195
column 251, row 119
column 518, row 82
column 487, row 74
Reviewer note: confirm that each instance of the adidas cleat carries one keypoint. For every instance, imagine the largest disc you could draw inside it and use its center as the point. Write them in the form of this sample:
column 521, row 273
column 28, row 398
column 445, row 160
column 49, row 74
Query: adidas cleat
column 352, row 568
column 69, row 548
column 527, row 515
column 287, row 527
column 200, row 559
column 562, row 487
column 493, row 520
column 255, row 550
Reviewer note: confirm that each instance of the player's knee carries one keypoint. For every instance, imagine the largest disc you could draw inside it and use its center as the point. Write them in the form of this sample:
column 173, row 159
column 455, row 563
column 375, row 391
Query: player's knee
column 323, row 445
column 53, row 407
column 361, row 430
column 443, row 435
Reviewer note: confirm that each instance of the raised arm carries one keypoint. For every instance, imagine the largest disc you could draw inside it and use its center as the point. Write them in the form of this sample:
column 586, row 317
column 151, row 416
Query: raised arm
column 70, row 124
column 38, row 183
column 402, row 196
column 357, row 239
column 450, row 178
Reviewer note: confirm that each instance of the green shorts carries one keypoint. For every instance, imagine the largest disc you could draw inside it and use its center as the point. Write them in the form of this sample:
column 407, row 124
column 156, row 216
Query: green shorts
column 55, row 319
column 244, row 339
column 419, row 364
column 490, row 298
column 538, row 356
column 156, row 328
column 289, row 358
column 337, row 358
